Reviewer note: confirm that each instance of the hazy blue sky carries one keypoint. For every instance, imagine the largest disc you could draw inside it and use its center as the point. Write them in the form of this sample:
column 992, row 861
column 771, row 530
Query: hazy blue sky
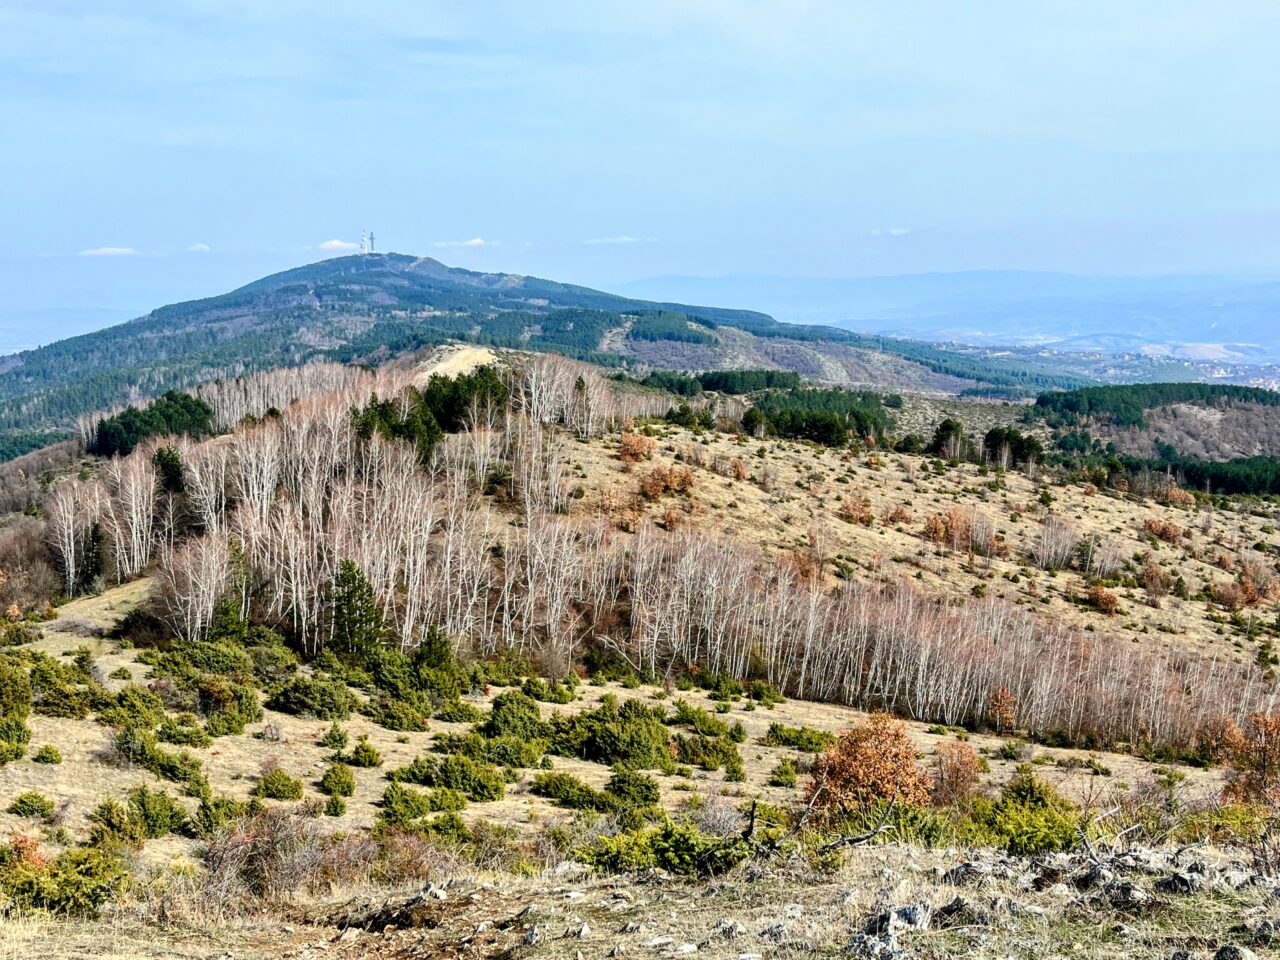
column 159, row 150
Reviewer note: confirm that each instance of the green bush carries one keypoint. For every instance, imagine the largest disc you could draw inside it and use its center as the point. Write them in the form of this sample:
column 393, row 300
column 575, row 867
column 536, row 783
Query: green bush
column 156, row 813
column 59, row 690
column 132, row 706
column 338, row 781
column 335, row 738
column 455, row 711
column 632, row 788
column 678, row 848
column 17, row 633
column 707, row 752
column 229, row 706
column 335, row 806
column 14, row 737
column 308, row 697
column 514, row 714
column 276, row 784
column 505, row 751
column 47, row 754
column 1030, row 817
column 568, row 791
column 401, row 805
column 912, row 825
column 15, row 691
column 187, row 658
column 183, row 730
column 273, row 661
column 477, row 781
column 447, row 827
column 626, row 791
column 699, row 719
column 31, row 804
column 215, row 813
column 77, row 881
column 398, row 715
column 784, row 774
column 804, row 739
column 763, row 692
column 112, row 824
column 632, row 735
column 139, row 747
column 539, row 689
column 364, row 754
column 721, row 686
column 1014, row 749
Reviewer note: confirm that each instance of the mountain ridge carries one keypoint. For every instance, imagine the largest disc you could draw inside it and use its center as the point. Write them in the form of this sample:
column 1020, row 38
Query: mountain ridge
column 367, row 308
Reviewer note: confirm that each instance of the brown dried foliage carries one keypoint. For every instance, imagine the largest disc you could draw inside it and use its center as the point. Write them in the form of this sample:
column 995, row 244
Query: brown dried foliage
column 956, row 770
column 1255, row 762
column 1154, row 578
column 1002, row 708
column 875, row 761
column 634, row 448
column 663, row 480
column 1102, row 599
column 856, row 508
column 1165, row 530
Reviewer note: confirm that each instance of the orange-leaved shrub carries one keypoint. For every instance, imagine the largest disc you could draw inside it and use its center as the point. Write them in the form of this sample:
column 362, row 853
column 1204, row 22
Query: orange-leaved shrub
column 634, row 448
column 956, row 769
column 875, row 761
column 663, row 480
column 1254, row 776
column 855, row 508
column 1165, row 530
column 1102, row 599
column 1002, row 708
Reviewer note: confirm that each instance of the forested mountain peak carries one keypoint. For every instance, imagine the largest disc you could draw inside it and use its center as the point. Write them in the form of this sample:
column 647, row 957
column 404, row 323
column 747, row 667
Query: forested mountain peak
column 369, row 308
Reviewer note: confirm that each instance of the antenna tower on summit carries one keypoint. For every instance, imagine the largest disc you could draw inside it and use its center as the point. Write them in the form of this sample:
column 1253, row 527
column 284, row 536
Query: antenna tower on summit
column 370, row 250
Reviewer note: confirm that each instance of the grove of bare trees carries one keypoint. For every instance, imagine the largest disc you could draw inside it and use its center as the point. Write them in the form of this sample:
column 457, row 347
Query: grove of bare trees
column 487, row 544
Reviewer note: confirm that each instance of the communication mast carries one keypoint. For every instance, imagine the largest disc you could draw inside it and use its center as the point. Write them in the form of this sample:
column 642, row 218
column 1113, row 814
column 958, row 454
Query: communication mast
column 370, row 250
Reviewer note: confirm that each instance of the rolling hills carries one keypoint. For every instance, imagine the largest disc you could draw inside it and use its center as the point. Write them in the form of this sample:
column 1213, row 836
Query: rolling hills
column 575, row 665
column 370, row 308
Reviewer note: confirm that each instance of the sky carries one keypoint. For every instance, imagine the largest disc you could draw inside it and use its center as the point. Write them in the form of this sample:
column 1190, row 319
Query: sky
column 158, row 151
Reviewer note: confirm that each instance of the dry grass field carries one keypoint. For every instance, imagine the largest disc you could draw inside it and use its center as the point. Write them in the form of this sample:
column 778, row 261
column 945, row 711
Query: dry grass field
column 792, row 494
column 233, row 762
column 865, row 516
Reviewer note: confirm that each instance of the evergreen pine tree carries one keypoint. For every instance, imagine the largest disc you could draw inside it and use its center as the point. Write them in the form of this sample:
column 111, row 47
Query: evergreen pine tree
column 358, row 624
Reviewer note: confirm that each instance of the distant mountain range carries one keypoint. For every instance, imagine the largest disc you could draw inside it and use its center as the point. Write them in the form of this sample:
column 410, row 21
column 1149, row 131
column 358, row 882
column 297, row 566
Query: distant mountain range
column 1191, row 316
column 369, row 308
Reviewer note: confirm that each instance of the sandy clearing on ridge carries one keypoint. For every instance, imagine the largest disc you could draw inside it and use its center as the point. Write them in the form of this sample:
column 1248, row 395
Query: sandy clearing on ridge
column 452, row 360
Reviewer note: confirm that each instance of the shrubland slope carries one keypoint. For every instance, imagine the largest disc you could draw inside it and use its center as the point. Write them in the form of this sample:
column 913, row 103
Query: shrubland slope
column 496, row 655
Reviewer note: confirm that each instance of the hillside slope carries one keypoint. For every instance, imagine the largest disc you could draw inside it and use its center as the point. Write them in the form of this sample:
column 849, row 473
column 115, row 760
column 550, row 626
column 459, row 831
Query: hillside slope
column 369, row 308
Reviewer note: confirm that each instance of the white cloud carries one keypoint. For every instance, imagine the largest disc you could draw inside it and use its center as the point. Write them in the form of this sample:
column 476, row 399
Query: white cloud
column 199, row 248
column 624, row 238
column 473, row 242
column 339, row 245
column 891, row 232
column 109, row 252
